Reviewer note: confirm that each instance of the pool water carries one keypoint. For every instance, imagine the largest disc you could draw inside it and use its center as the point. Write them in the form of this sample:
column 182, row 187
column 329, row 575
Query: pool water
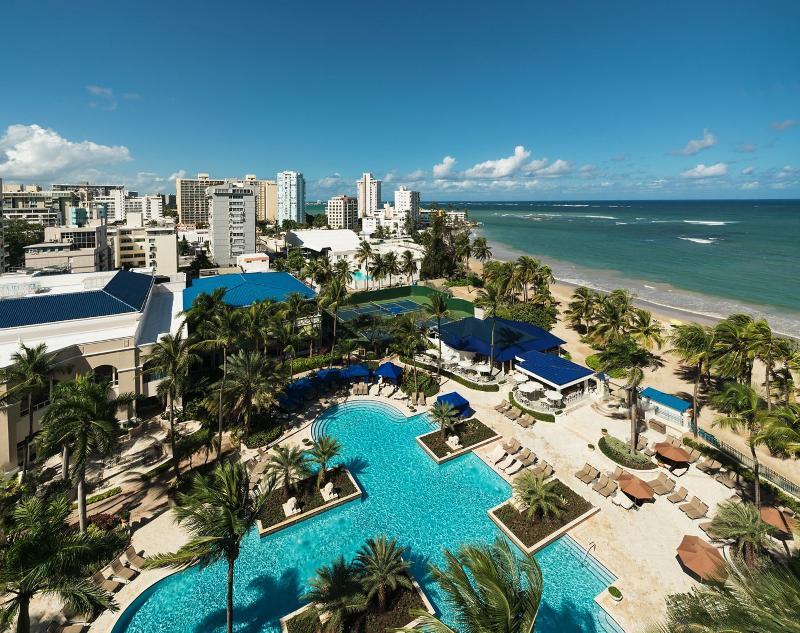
column 427, row 507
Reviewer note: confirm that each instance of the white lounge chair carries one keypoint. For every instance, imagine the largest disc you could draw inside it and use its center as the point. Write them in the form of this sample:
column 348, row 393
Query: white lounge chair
column 291, row 507
column 498, row 453
column 514, row 467
column 622, row 500
column 328, row 493
column 505, row 462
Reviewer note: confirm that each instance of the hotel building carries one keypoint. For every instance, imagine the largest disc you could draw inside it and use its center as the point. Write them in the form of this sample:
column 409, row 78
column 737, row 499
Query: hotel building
column 342, row 212
column 291, row 197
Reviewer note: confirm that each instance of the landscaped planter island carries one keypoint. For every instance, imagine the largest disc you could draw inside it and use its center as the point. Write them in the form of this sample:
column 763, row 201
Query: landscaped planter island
column 472, row 434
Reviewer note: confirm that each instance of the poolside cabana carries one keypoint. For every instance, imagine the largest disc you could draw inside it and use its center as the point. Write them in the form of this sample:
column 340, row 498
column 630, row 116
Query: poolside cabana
column 389, row 371
column 458, row 402
column 564, row 382
column 671, row 410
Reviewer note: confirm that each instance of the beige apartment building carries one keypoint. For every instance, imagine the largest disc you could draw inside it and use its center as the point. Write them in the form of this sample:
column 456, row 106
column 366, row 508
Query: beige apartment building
column 266, row 197
column 75, row 249
column 342, row 212
column 136, row 245
column 191, row 199
column 105, row 323
column 34, row 205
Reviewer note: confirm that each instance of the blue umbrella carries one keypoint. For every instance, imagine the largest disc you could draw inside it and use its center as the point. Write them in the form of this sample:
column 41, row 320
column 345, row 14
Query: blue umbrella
column 454, row 399
column 357, row 371
column 390, row 371
column 328, row 374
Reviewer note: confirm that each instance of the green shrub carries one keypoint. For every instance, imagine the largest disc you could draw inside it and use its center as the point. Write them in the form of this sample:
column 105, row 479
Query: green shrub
column 477, row 386
column 593, row 362
column 615, row 593
column 304, row 363
column 262, row 437
column 539, row 415
column 103, row 495
column 618, row 451
column 540, row 316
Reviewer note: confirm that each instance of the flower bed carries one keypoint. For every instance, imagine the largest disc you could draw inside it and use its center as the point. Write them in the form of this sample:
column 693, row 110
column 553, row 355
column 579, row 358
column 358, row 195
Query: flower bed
column 470, row 433
column 618, row 451
column 533, row 530
column 308, row 496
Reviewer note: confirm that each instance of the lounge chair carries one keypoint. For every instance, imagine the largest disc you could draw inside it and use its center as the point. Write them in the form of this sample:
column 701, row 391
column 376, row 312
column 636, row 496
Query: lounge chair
column 55, row 627
column 610, row 489
column 523, row 454
column 662, row 484
column 590, row 476
column 679, row 496
column 727, row 479
column 514, row 468
column 525, row 420
column 706, row 527
column 291, row 507
column 622, row 500
column 504, row 406
column 600, row 483
column 695, row 509
column 542, row 469
column 528, row 459
column 583, row 471
column 496, row 454
column 513, row 414
column 505, row 462
column 111, row 586
column 121, row 571
column 709, row 465
column 134, row 558
column 694, row 455
column 512, row 446
column 616, row 474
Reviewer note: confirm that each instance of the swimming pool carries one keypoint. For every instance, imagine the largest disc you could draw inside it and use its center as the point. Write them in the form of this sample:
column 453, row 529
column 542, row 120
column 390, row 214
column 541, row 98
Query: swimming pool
column 427, row 507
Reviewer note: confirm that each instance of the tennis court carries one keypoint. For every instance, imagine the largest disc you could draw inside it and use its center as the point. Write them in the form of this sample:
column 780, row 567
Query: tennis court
column 385, row 308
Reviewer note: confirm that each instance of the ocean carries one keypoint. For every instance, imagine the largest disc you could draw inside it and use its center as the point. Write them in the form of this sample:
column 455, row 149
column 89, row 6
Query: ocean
column 708, row 257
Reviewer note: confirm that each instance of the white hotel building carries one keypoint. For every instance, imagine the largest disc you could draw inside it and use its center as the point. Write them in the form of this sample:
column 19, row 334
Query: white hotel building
column 291, row 197
column 342, row 212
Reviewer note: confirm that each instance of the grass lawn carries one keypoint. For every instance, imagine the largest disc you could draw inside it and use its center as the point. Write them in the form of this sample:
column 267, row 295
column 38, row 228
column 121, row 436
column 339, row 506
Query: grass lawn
column 531, row 531
column 470, row 433
column 308, row 496
column 397, row 615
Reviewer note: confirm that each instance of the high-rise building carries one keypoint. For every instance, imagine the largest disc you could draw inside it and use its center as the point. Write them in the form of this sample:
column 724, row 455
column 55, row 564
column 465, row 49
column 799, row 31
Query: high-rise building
column 137, row 245
column 231, row 221
column 291, row 197
column 113, row 202
column 266, row 197
column 87, row 193
column 406, row 203
column 191, row 198
column 368, row 190
column 31, row 204
column 151, row 207
column 342, row 212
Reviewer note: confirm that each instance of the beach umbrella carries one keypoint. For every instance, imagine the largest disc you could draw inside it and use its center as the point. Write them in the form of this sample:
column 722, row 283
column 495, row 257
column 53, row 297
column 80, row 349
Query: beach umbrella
column 634, row 487
column 672, row 453
column 390, row 371
column 777, row 519
column 701, row 558
column 553, row 395
column 483, row 368
column 357, row 371
column 528, row 387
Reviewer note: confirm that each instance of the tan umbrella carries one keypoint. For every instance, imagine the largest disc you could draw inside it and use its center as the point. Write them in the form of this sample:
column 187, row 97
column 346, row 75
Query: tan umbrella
column 777, row 519
column 670, row 452
column 635, row 487
column 702, row 558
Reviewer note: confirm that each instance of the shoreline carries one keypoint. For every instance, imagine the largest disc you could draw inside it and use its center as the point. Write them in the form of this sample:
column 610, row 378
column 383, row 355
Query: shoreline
column 664, row 312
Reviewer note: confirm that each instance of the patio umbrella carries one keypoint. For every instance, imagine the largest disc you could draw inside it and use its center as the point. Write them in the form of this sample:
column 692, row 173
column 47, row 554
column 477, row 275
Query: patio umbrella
column 538, row 385
column 528, row 387
column 455, row 400
column 777, row 519
column 356, row 371
column 672, row 453
column 553, row 395
column 516, row 377
column 328, row 374
column 483, row 368
column 701, row 558
column 634, row 487
column 390, row 371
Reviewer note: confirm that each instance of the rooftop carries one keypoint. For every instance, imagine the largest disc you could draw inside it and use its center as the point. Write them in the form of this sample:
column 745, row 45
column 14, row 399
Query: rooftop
column 317, row 240
column 666, row 399
column 242, row 289
column 552, row 369
column 511, row 338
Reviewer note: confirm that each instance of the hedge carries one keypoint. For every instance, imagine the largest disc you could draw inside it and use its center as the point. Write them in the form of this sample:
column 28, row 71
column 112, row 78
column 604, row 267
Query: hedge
column 304, row 363
column 593, row 362
column 618, row 451
column 262, row 437
column 477, row 386
column 539, row 415
column 102, row 496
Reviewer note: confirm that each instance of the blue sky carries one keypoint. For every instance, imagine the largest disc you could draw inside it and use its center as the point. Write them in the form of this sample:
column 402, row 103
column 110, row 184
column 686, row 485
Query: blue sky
column 461, row 100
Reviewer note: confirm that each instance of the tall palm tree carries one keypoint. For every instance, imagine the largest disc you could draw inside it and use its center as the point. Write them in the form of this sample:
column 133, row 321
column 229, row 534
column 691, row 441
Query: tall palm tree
column 336, row 594
column 481, row 250
column 735, row 342
column 490, row 299
column 444, row 416
column 694, row 344
column 84, row 417
column 171, row 358
column 740, row 522
column 323, row 450
column 218, row 512
column 29, row 374
column 437, row 309
column 380, row 567
column 463, row 249
column 408, row 265
column 582, row 307
column 391, row 265
column 203, row 309
column 288, row 465
column 222, row 332
column 377, row 268
column 501, row 276
column 295, row 306
column 526, row 269
column 364, row 256
column 408, row 338
column 613, row 316
column 541, row 496
column 645, row 330
column 40, row 555
column 334, row 296
column 745, row 412
column 764, row 599
column 251, row 386
column 343, row 272
column 255, row 320
column 635, row 378
column 767, row 348
column 487, row 589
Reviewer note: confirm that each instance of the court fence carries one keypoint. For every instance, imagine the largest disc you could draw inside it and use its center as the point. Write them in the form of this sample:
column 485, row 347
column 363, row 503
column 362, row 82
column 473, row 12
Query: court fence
column 410, row 292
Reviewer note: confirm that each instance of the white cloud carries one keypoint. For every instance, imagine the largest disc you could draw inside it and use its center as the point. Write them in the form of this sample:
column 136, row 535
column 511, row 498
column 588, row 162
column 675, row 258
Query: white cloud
column 697, row 145
column 787, row 171
column 747, row 148
column 556, row 169
column 334, row 180
column 417, row 174
column 534, row 166
column 783, row 125
column 31, row 152
column 702, row 171
column 749, row 185
column 105, row 98
column 445, row 168
column 748, row 170
column 181, row 173
column 500, row 167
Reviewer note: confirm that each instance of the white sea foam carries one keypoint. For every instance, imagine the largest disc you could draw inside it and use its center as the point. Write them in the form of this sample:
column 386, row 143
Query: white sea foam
column 708, row 222
column 699, row 240
column 620, row 223
column 570, row 205
column 599, row 217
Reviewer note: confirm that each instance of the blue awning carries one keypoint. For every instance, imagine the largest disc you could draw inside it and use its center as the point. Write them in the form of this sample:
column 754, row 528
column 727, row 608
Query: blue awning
column 356, row 371
column 455, row 400
column 390, row 371
column 666, row 399
column 552, row 369
column 511, row 338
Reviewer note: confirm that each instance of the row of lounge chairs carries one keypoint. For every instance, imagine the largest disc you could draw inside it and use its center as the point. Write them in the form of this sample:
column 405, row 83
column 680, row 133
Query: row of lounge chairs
column 418, row 399
column 514, row 414
column 360, row 389
column 511, row 457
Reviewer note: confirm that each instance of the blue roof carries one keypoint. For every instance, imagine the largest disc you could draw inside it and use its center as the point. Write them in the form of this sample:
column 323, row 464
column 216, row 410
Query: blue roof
column 454, row 399
column 511, row 338
column 125, row 292
column 243, row 289
column 667, row 399
column 552, row 368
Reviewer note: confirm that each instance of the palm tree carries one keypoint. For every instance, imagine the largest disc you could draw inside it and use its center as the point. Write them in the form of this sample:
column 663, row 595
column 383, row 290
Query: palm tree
column 613, row 316
column 323, row 450
column 294, row 306
column 694, row 344
column 645, row 330
column 764, row 599
column 635, row 378
column 767, row 348
column 203, row 309
column 582, row 307
column 170, row 359
column 445, row 416
column 30, row 374
column 83, row 417
column 409, row 339
column 288, row 464
column 487, row 589
column 334, row 296
column 380, row 566
column 335, row 593
column 501, row 276
column 218, row 512
column 343, row 272
column 490, row 299
column 255, row 320
column 526, row 269
column 377, row 268
column 745, row 412
column 463, row 248
column 481, row 250
column 438, row 310
column 222, row 332
column 541, row 496
column 742, row 524
column 735, row 345
column 391, row 265
column 39, row 555
column 251, row 386
column 364, row 255
column 408, row 265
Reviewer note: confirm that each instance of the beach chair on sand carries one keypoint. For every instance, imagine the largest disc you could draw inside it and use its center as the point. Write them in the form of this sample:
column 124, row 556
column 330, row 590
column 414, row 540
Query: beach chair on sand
column 524, row 454
column 727, row 479
column 542, row 469
column 496, row 454
column 514, row 468
column 590, row 475
column 511, row 446
column 600, row 483
column 616, row 474
column 134, row 558
column 679, row 496
column 525, row 421
column 583, row 471
column 513, row 414
column 610, row 489
column 662, row 484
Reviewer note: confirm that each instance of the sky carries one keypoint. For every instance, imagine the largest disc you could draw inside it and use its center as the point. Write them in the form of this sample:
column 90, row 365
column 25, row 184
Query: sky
column 460, row 100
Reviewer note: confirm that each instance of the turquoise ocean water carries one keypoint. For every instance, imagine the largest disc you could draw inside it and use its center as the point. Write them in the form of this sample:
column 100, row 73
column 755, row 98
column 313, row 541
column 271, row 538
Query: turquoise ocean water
column 708, row 257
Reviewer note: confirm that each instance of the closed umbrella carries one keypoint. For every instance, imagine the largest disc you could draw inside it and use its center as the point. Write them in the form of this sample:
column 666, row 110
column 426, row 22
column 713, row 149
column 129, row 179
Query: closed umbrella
column 701, row 558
